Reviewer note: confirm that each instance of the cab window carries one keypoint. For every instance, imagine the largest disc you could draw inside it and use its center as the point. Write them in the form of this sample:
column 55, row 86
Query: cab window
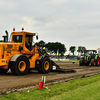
column 17, row 38
column 28, row 41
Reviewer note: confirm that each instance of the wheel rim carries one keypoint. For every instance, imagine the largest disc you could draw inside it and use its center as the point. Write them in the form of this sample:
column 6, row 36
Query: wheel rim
column 46, row 65
column 94, row 62
column 22, row 66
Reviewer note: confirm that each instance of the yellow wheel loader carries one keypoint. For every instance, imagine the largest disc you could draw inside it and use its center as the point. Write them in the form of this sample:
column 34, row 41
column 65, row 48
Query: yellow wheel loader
column 20, row 55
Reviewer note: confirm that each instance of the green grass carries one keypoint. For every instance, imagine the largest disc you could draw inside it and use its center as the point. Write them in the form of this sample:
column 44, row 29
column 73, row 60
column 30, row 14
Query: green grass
column 78, row 89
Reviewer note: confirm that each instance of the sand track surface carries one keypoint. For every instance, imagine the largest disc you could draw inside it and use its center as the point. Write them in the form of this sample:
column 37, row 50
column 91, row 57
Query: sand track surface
column 9, row 82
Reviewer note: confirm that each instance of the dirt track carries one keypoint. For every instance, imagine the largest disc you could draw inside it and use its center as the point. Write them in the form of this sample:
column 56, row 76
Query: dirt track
column 9, row 82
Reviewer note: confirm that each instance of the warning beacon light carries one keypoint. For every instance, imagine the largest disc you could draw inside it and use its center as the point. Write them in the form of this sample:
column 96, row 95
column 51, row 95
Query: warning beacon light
column 22, row 28
column 13, row 29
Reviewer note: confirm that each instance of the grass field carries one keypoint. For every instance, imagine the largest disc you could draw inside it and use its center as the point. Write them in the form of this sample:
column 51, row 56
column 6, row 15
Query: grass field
column 79, row 89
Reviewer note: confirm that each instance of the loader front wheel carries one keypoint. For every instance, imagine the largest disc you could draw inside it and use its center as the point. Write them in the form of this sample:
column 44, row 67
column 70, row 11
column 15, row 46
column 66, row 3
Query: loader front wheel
column 45, row 66
column 21, row 66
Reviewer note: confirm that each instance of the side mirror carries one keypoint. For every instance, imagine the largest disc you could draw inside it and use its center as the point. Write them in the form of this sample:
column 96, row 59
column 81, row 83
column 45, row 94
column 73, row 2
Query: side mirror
column 37, row 37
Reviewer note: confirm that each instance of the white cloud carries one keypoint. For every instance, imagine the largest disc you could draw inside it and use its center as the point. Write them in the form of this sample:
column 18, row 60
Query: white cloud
column 71, row 22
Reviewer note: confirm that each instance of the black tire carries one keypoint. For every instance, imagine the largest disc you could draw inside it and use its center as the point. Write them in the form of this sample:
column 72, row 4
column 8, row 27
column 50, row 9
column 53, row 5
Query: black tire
column 81, row 63
column 3, row 71
column 93, row 62
column 45, row 66
column 21, row 66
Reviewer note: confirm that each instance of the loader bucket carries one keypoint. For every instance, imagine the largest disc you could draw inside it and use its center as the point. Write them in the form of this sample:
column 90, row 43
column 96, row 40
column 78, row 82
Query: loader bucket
column 59, row 69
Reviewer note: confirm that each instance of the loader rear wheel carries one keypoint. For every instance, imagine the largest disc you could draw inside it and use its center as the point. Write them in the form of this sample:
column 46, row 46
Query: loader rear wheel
column 21, row 66
column 93, row 62
column 45, row 66
column 3, row 71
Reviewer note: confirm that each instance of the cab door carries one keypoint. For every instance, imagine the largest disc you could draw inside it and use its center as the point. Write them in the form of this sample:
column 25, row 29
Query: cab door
column 28, row 42
column 28, row 48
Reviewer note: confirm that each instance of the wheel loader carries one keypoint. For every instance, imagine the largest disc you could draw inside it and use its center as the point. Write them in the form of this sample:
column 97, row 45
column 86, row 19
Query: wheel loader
column 21, row 56
column 90, row 58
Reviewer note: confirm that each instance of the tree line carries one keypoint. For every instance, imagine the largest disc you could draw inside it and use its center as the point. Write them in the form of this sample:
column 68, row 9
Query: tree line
column 80, row 50
column 54, row 46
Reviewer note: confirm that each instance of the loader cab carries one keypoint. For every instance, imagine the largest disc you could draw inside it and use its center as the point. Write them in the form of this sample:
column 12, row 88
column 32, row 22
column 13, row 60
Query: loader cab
column 25, row 38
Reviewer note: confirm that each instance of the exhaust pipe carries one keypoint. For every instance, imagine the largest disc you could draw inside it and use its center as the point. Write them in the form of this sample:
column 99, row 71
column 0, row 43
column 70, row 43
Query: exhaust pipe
column 6, row 37
column 6, row 34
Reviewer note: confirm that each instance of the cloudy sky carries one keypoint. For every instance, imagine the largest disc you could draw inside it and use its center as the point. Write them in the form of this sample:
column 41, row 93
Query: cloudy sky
column 71, row 22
